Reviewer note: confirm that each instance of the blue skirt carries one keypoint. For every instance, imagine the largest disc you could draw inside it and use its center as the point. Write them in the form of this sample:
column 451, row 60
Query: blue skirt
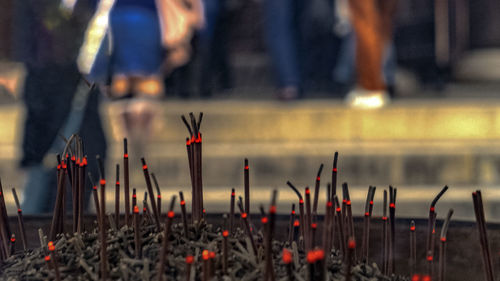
column 136, row 41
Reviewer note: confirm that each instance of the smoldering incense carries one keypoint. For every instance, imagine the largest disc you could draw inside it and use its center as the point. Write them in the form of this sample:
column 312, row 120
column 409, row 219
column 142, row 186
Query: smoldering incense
column 442, row 247
column 316, row 190
column 20, row 220
column 413, row 249
column 158, row 193
column 126, row 181
column 166, row 233
column 150, row 191
column 247, row 186
column 184, row 215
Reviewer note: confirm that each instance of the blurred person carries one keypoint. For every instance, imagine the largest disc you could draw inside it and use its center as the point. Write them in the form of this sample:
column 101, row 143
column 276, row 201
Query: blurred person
column 133, row 43
column 372, row 21
column 282, row 24
column 46, row 39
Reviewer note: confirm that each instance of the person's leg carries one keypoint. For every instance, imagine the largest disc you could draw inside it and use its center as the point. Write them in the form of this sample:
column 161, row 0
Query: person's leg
column 282, row 41
column 369, row 44
column 344, row 70
column 206, row 38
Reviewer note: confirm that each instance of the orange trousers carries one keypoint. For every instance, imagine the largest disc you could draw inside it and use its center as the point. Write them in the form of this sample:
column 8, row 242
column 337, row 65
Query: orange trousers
column 372, row 21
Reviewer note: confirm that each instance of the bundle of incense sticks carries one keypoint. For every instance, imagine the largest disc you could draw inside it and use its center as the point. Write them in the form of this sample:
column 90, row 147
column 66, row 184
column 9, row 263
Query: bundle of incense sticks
column 225, row 253
column 194, row 151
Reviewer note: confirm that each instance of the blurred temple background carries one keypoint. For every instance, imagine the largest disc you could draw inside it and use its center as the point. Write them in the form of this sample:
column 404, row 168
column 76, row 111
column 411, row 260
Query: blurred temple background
column 441, row 126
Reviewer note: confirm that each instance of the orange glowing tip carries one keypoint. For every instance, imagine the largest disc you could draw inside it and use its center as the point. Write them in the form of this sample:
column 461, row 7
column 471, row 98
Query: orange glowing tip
column 233, row 194
column 134, row 195
column 171, row 214
column 348, row 202
column 51, row 246
column 384, row 218
column 430, row 258
column 94, row 187
column 426, row 278
column 244, row 215
column 433, row 231
column 415, row 277
column 189, row 259
column 192, row 139
column 320, row 254
column 314, row 225
column 64, row 166
column 136, row 209
column 144, row 167
column 117, row 183
column 264, row 220
column 308, row 191
column 392, row 205
column 19, row 210
column 301, row 201
column 412, row 228
column 125, row 155
column 433, row 209
column 287, row 256
column 73, row 158
column 188, row 142
column 225, row 233
column 329, row 204
column 47, row 258
column 272, row 210
column 212, row 255
column 318, row 178
column 205, row 255
column 293, row 212
column 334, row 170
column 199, row 137
column 13, row 239
column 85, row 161
column 311, row 257
column 59, row 167
column 338, row 209
column 296, row 223
column 159, row 196
column 367, row 214
column 144, row 209
column 78, row 161
column 204, row 211
column 443, row 239
column 183, row 202
column 371, row 202
column 102, row 182
column 351, row 244
column 246, row 167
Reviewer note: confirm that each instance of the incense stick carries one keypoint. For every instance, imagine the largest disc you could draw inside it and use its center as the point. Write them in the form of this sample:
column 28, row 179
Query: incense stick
column 126, row 180
column 247, row 186
column 158, row 194
column 334, row 175
column 151, row 194
column 483, row 237
column 385, row 236
column 102, row 223
column 96, row 198
column 137, row 234
column 303, row 232
column 244, row 217
column 366, row 227
column 413, row 249
column 117, row 197
column 290, row 226
column 442, row 247
column 20, row 220
column 231, row 216
column 166, row 233
column 316, row 190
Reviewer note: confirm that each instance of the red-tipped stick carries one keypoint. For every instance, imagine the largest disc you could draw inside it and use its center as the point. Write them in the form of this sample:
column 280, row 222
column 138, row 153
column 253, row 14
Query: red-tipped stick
column 269, row 272
column 96, row 198
column 225, row 251
column 134, row 197
column 137, row 233
column 314, row 227
column 366, row 227
column 244, row 217
column 20, row 220
column 290, row 227
column 442, row 247
column 385, row 237
column 483, row 237
column 308, row 219
column 349, row 223
column 351, row 245
column 184, row 215
column 53, row 260
column 287, row 260
column 189, row 263
column 151, row 194
column 12, row 245
column 117, row 197
column 166, row 234
column 334, row 175
column 56, row 217
column 231, row 215
column 316, row 190
column 126, row 181
column 430, row 252
column 432, row 217
column 392, row 218
column 81, row 192
column 102, row 222
column 340, row 225
column 327, row 227
column 74, row 190
column 413, row 249
column 158, row 194
column 303, row 231
column 205, row 255
column 247, row 186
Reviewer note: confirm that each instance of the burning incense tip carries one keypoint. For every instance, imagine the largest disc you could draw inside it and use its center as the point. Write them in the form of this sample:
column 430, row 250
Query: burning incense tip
column 272, row 210
column 183, row 202
column 415, row 277
column 51, row 246
column 412, row 228
column 244, row 215
column 314, row 225
column 318, row 178
column 189, row 259
column 296, row 223
column 334, row 170
column 225, row 233
column 308, row 191
column 351, row 244
column 136, row 209
column 348, row 202
column 171, row 214
column 301, row 201
column 144, row 167
column 426, row 278
column 443, row 239
column 125, row 155
column 13, row 239
column 95, row 187
column 205, row 255
column 287, row 256
column 211, row 255
column 433, row 209
column 430, row 258
column 102, row 182
column 47, row 258
column 264, row 220
column 311, row 257
column 392, row 205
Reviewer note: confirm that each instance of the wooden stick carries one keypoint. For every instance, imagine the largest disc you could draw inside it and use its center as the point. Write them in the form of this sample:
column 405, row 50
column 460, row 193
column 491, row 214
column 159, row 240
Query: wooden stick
column 137, row 234
column 413, row 249
column 349, row 225
column 57, row 208
column 244, row 217
column 247, row 186
column 151, row 194
column 366, row 227
column 134, row 197
column 334, row 175
column 351, row 245
column 316, row 190
column 126, row 181
column 303, row 232
column 269, row 272
column 184, row 215
column 20, row 220
column 442, row 247
column 166, row 234
column 385, row 237
column 96, row 198
column 102, row 223
column 340, row 225
column 308, row 220
column 158, row 194
column 231, row 216
column 430, row 245
column 483, row 237
column 392, row 218
column 53, row 260
column 290, row 226
column 287, row 260
column 117, row 197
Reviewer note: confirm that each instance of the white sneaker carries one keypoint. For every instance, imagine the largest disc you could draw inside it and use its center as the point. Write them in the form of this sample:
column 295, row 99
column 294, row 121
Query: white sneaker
column 367, row 99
